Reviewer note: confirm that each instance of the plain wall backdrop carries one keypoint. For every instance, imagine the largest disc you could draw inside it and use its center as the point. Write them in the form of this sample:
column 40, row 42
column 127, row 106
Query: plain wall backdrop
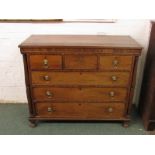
column 12, row 84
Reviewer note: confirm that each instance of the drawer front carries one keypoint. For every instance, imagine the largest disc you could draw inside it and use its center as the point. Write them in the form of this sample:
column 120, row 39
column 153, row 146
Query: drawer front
column 80, row 110
column 83, row 78
column 79, row 94
column 80, row 62
column 115, row 62
column 45, row 62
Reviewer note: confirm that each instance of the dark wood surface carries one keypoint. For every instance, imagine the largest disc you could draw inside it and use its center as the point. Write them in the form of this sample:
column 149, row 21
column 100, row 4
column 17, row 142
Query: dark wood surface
column 78, row 110
column 125, row 62
column 54, row 61
column 80, row 94
column 31, row 20
column 80, row 41
column 100, row 79
column 82, row 77
column 57, row 21
column 147, row 97
column 80, row 62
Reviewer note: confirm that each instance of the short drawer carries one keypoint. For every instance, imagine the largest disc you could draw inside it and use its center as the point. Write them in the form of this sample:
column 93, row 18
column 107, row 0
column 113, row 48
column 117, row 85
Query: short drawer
column 80, row 62
column 81, row 78
column 79, row 94
column 115, row 63
column 45, row 61
column 80, row 110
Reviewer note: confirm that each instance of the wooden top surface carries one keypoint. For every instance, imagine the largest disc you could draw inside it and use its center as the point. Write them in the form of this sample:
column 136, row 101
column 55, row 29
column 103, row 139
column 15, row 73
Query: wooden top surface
column 107, row 41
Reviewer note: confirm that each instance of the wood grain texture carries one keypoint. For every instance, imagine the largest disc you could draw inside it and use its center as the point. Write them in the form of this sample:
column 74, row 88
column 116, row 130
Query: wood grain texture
column 122, row 62
column 81, row 110
column 53, row 61
column 28, row 89
column 75, row 50
column 79, row 94
column 80, row 77
column 81, row 41
column 80, row 62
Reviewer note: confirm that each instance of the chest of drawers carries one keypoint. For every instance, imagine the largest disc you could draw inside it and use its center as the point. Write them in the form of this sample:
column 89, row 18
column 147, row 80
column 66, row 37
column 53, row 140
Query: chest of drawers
column 80, row 77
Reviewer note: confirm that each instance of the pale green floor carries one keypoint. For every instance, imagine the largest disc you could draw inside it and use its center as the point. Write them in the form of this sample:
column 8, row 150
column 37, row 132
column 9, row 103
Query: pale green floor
column 14, row 121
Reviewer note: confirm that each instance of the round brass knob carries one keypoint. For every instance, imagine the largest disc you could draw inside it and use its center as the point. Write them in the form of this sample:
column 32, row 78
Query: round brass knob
column 110, row 109
column 114, row 78
column 112, row 93
column 46, row 78
column 49, row 94
column 115, row 62
column 45, row 62
column 49, row 109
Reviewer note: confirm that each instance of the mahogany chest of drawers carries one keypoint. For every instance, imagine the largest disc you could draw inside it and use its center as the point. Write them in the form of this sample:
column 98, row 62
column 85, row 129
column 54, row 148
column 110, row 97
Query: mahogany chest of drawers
column 80, row 77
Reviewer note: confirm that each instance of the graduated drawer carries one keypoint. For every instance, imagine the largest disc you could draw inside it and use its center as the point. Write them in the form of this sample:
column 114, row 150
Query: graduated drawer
column 45, row 61
column 115, row 63
column 80, row 61
column 79, row 94
column 81, row 78
column 80, row 110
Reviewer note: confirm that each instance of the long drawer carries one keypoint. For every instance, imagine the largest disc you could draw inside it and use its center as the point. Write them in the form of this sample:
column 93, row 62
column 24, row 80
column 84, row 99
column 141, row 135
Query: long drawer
column 79, row 94
column 81, row 78
column 80, row 110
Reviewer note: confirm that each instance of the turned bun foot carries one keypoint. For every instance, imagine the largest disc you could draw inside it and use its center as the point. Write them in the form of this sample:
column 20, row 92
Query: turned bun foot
column 126, row 124
column 32, row 124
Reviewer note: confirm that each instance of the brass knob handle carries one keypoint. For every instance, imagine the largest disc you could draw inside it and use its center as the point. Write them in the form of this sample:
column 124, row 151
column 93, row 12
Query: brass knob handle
column 112, row 93
column 45, row 62
column 110, row 109
column 46, row 78
column 115, row 62
column 49, row 109
column 49, row 94
column 114, row 78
